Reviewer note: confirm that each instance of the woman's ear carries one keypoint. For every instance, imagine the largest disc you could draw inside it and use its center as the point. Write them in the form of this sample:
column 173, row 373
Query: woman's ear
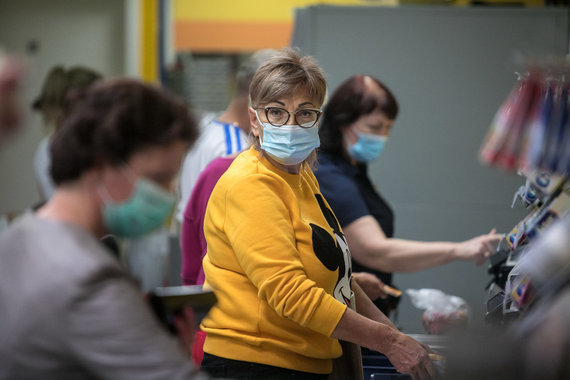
column 348, row 134
column 254, row 123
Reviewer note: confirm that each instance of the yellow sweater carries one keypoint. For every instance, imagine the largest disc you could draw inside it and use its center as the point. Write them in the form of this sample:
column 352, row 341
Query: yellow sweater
column 279, row 266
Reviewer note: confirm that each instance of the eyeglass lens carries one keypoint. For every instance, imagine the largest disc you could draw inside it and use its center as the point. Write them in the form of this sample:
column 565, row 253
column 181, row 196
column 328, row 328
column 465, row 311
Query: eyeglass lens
column 303, row 117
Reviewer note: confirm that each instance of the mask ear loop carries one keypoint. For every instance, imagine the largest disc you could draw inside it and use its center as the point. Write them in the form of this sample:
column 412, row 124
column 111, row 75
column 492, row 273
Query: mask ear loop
column 258, row 119
column 352, row 130
column 260, row 125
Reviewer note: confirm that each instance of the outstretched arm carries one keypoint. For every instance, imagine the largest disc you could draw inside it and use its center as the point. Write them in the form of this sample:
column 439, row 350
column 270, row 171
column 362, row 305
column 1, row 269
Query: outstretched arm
column 370, row 247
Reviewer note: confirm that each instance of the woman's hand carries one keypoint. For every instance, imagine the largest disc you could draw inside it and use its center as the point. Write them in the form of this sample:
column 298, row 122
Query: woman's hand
column 411, row 357
column 478, row 249
column 370, row 284
column 405, row 354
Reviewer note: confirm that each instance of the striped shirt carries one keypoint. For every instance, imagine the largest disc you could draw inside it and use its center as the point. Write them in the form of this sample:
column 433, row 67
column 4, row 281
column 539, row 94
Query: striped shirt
column 217, row 139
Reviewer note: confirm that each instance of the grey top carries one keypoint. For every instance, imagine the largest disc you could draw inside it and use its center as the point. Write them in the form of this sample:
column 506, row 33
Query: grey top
column 68, row 311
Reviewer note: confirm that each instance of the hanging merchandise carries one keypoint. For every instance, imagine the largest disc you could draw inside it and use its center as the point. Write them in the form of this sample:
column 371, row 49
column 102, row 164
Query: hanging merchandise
column 555, row 132
column 504, row 142
column 538, row 125
column 530, row 134
column 531, row 129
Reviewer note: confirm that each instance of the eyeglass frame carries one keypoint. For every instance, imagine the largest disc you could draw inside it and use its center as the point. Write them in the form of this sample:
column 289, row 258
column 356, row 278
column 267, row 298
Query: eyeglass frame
column 266, row 108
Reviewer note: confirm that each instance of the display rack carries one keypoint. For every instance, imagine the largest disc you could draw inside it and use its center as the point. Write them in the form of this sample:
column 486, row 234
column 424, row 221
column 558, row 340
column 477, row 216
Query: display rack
column 509, row 293
column 530, row 134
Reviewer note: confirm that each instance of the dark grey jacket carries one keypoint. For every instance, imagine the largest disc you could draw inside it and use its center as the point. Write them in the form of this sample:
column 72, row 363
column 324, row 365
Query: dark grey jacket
column 68, row 311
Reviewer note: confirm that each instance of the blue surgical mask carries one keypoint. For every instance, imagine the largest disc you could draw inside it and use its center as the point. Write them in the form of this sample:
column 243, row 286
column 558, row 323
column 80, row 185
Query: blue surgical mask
column 289, row 144
column 367, row 148
column 146, row 209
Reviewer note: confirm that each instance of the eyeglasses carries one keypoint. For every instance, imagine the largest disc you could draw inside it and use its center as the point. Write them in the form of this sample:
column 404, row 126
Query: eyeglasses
column 304, row 118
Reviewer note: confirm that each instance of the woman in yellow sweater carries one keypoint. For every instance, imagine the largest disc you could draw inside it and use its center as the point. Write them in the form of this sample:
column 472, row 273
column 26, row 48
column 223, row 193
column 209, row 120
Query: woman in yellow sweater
column 277, row 258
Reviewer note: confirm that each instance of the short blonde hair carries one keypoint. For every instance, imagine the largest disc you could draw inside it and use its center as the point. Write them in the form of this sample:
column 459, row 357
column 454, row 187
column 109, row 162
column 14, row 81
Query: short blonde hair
column 283, row 73
column 280, row 76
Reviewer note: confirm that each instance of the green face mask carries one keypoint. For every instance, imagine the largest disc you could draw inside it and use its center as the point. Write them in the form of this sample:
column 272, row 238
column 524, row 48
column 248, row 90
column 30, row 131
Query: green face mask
column 146, row 209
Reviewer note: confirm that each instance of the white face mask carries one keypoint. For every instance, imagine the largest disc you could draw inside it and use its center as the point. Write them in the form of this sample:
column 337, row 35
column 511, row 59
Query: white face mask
column 289, row 144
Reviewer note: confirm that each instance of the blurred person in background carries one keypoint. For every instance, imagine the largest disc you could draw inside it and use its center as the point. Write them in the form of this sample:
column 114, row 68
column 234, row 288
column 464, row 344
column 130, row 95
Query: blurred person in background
column 68, row 310
column 11, row 73
column 58, row 85
column 355, row 127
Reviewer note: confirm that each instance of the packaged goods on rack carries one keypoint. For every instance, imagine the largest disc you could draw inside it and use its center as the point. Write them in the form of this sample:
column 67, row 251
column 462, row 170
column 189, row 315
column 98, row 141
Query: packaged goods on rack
column 529, row 294
column 515, row 290
column 547, row 262
column 530, row 134
column 531, row 129
column 543, row 182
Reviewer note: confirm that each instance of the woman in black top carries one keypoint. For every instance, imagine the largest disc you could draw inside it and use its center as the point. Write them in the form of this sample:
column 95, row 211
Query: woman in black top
column 354, row 128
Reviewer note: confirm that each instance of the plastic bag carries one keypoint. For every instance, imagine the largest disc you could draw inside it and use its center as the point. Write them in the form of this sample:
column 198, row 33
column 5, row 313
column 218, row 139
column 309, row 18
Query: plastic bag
column 442, row 311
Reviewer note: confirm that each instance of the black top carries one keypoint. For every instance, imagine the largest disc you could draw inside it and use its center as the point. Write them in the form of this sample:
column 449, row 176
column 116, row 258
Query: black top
column 351, row 195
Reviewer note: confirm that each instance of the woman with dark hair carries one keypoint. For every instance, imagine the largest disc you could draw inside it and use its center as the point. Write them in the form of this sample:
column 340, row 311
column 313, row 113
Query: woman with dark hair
column 355, row 126
column 68, row 310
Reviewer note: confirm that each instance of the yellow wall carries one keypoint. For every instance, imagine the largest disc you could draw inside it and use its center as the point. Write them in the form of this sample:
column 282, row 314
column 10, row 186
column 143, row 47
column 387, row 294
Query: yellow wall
column 247, row 10
column 240, row 26
column 247, row 25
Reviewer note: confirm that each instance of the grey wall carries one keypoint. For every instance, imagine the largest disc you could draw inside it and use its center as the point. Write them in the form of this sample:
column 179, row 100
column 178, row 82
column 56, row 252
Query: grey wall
column 69, row 32
column 450, row 69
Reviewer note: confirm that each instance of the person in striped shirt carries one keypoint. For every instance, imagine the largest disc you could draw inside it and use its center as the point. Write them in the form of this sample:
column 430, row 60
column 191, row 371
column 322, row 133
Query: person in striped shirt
column 221, row 135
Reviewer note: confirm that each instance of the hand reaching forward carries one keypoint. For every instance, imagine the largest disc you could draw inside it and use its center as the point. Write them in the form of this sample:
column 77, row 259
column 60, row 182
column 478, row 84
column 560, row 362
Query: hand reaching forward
column 478, row 249
column 370, row 284
column 409, row 356
column 376, row 332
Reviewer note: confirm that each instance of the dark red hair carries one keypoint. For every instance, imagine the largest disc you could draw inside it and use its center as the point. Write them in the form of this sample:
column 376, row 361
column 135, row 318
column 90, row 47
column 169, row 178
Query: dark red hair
column 351, row 100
